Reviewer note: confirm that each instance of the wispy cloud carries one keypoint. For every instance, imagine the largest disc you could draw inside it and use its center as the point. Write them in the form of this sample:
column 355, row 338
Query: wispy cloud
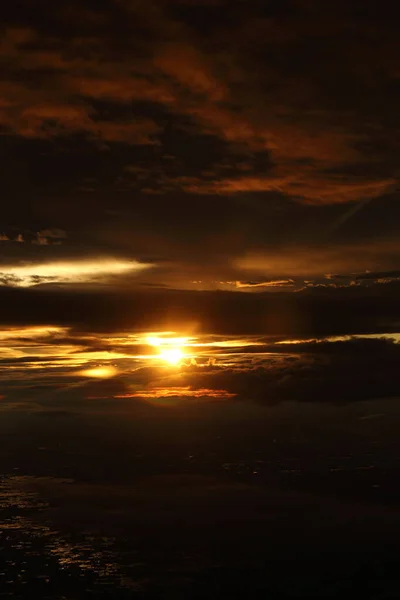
column 268, row 283
column 79, row 271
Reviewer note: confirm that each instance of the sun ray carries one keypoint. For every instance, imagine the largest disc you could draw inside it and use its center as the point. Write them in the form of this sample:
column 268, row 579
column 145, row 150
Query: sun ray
column 170, row 349
column 173, row 356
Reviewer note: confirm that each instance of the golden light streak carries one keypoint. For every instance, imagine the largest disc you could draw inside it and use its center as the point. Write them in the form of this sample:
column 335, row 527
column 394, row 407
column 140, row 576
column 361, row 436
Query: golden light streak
column 153, row 341
column 30, row 332
column 173, row 356
column 77, row 271
column 342, row 338
column 172, row 397
column 228, row 344
column 170, row 349
column 167, row 392
column 100, row 372
column 167, row 341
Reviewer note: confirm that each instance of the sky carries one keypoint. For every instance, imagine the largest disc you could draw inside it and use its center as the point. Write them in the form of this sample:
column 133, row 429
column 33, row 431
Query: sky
column 200, row 201
column 199, row 298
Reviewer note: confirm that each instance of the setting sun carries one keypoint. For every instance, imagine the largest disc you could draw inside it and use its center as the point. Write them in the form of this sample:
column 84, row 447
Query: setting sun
column 170, row 349
column 154, row 341
column 172, row 355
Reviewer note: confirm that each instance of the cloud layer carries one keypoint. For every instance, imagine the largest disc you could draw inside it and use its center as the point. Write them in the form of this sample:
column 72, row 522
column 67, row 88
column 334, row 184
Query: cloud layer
column 248, row 153
column 286, row 95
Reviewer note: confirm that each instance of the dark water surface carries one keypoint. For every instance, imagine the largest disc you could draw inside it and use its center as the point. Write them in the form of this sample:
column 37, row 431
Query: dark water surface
column 210, row 501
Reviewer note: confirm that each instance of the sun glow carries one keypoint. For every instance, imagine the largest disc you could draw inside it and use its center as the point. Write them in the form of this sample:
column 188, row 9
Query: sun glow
column 170, row 349
column 100, row 372
column 79, row 271
column 173, row 356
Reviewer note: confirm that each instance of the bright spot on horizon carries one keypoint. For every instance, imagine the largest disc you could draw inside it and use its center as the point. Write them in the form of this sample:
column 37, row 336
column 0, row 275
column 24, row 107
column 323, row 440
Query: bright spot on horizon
column 64, row 272
column 169, row 349
column 154, row 341
column 99, row 372
column 173, row 356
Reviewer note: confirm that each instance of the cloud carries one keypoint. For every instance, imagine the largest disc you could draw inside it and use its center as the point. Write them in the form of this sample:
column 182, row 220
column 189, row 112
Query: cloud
column 45, row 121
column 302, row 186
column 271, row 283
column 61, row 272
column 310, row 312
column 54, row 233
column 42, row 238
column 367, row 278
column 338, row 372
column 219, row 146
column 316, row 132
column 49, row 236
column 308, row 260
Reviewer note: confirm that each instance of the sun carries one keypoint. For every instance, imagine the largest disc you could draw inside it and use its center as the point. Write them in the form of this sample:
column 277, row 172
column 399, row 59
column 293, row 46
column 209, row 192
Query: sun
column 170, row 349
column 172, row 356
column 154, row 341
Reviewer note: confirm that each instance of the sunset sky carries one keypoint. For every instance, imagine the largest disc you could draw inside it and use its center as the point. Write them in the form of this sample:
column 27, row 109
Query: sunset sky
column 220, row 175
column 199, row 299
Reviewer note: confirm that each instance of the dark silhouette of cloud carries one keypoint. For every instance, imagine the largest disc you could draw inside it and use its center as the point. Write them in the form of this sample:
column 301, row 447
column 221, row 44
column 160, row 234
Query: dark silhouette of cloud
column 227, row 82
column 333, row 372
column 310, row 312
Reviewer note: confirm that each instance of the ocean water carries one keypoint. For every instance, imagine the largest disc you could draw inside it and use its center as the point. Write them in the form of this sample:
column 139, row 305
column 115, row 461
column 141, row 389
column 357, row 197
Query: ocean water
column 217, row 501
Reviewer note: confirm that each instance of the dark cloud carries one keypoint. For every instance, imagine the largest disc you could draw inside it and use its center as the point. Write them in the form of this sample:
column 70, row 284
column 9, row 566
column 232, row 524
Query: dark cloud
column 323, row 372
column 338, row 372
column 313, row 311
column 230, row 144
column 293, row 84
column 367, row 277
column 55, row 414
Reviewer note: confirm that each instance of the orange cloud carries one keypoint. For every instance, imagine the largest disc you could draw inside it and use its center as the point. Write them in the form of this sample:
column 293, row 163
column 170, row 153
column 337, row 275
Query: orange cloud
column 306, row 187
column 186, row 66
column 309, row 260
column 157, row 393
column 279, row 283
column 220, row 84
